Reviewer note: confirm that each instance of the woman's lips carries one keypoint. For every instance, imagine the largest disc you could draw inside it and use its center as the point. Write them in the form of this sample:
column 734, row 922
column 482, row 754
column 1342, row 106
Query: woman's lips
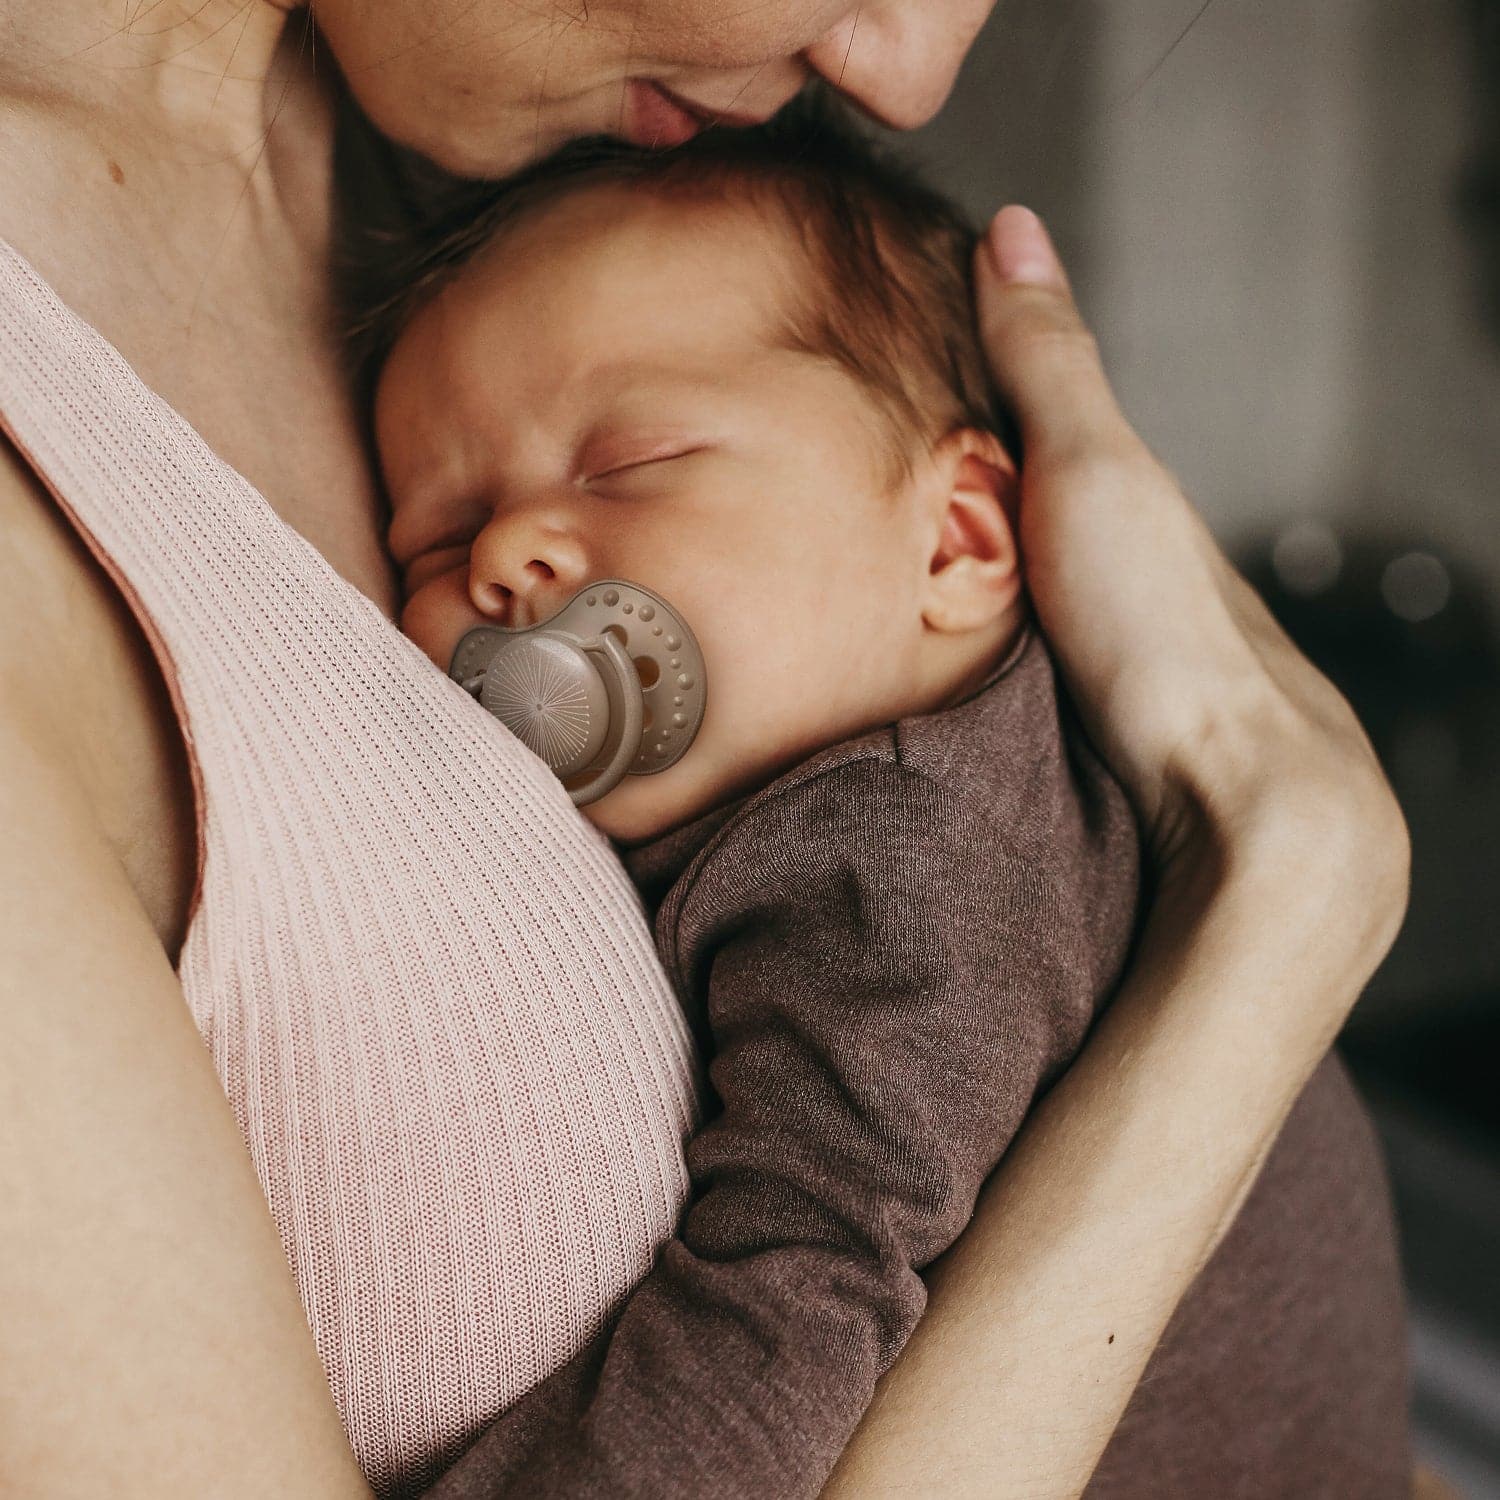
column 655, row 117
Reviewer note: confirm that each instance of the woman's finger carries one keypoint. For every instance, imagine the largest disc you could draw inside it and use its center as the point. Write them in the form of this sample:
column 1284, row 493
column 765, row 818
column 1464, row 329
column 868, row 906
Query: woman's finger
column 1044, row 360
column 1130, row 588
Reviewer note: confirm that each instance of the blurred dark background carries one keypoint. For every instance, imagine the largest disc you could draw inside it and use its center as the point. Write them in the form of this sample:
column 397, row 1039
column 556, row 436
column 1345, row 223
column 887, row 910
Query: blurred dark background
column 1283, row 221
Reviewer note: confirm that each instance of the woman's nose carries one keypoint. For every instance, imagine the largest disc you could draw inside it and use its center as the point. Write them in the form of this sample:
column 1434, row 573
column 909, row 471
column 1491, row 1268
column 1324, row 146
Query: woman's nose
column 897, row 59
column 524, row 567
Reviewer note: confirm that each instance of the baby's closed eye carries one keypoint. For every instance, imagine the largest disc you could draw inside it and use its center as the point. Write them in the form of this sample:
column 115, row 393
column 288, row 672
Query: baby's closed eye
column 609, row 454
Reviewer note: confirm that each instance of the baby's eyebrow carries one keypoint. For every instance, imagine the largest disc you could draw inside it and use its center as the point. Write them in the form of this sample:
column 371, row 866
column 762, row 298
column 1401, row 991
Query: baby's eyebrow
column 634, row 377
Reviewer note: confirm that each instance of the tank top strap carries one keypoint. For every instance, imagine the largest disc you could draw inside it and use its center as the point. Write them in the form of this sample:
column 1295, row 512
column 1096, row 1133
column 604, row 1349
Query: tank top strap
column 427, row 986
column 224, row 588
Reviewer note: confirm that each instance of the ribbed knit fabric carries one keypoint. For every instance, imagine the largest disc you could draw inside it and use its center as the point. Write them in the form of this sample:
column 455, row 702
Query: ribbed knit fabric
column 426, row 983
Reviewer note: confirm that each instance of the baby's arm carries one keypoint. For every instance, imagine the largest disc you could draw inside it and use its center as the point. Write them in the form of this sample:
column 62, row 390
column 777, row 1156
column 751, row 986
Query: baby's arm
column 874, row 1053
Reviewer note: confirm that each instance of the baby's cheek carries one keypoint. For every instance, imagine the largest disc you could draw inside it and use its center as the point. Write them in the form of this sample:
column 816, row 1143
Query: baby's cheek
column 437, row 616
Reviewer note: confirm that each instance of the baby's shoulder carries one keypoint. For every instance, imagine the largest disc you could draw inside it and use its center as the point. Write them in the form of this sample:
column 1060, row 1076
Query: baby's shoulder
column 847, row 821
column 983, row 841
column 845, row 806
column 963, row 784
column 998, row 792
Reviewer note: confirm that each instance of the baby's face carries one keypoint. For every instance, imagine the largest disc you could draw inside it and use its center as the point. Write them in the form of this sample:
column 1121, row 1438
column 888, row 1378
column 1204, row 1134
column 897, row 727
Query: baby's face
column 603, row 395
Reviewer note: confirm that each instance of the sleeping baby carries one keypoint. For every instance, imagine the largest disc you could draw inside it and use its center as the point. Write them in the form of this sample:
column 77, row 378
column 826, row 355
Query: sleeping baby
column 723, row 410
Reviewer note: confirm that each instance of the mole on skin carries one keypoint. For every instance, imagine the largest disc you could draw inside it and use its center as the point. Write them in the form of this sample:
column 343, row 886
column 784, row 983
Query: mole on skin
column 116, row 173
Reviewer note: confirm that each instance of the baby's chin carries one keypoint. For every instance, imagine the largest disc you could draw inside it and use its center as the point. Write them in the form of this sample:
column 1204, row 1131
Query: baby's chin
column 640, row 809
column 643, row 808
column 709, row 776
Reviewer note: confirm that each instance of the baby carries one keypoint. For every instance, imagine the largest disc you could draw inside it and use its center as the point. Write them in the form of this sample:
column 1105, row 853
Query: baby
column 890, row 881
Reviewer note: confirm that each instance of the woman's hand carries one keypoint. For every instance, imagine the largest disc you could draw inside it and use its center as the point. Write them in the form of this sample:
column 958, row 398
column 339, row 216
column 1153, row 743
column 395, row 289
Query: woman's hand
column 1279, row 865
column 1230, row 743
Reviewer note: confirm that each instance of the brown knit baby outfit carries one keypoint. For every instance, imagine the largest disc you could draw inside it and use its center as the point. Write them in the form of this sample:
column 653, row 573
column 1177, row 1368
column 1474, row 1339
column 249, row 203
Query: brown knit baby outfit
column 887, row 954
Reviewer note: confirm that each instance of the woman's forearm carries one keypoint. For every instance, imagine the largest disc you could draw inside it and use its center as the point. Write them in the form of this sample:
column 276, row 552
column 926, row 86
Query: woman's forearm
column 1043, row 1316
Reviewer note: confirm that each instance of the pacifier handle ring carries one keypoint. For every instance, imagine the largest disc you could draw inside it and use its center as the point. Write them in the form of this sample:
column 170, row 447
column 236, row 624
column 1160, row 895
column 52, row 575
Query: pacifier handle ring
column 616, row 659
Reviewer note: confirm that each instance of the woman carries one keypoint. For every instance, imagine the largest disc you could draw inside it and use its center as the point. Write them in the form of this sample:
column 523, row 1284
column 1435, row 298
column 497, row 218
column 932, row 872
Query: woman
column 168, row 173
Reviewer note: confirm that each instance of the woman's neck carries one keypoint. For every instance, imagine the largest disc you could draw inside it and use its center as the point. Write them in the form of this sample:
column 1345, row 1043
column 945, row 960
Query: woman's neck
column 202, row 65
column 214, row 100
column 169, row 171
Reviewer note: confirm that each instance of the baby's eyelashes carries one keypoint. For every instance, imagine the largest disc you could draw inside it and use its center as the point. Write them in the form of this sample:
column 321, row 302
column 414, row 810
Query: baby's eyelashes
column 610, row 460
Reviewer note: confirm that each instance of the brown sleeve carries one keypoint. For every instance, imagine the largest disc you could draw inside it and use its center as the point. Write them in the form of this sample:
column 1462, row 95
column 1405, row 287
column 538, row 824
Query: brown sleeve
column 881, row 986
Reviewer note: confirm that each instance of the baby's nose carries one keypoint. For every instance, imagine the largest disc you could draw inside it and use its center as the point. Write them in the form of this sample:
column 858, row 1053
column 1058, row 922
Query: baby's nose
column 523, row 569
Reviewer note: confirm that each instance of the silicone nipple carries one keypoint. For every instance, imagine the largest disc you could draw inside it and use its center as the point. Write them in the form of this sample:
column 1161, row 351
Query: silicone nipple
column 613, row 685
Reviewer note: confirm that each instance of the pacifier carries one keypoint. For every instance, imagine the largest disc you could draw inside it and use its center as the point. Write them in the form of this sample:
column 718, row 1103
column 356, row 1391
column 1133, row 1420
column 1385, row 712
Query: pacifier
column 611, row 686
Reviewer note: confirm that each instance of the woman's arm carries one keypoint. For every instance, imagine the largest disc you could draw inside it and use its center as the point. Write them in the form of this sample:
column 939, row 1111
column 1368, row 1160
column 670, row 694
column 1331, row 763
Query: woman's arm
column 1281, row 864
column 1043, row 1316
column 151, row 1341
column 150, row 1338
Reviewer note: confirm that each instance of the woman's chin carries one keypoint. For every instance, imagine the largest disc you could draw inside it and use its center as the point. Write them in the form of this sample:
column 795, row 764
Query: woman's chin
column 499, row 147
column 458, row 146
column 483, row 160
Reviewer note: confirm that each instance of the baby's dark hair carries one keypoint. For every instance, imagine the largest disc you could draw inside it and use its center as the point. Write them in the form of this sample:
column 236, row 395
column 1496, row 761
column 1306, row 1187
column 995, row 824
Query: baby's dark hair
column 889, row 290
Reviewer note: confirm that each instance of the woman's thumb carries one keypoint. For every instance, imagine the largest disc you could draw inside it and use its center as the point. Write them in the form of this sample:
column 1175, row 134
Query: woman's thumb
column 1044, row 360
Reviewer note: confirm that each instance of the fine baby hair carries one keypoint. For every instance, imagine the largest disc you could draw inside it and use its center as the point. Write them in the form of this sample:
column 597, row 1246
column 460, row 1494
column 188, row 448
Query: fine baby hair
column 888, row 259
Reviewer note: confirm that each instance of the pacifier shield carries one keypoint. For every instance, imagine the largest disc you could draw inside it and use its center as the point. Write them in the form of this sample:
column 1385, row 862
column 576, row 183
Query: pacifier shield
column 667, row 661
column 613, row 684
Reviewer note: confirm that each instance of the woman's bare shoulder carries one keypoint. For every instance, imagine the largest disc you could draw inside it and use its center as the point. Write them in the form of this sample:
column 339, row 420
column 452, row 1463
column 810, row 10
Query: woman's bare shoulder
column 87, row 713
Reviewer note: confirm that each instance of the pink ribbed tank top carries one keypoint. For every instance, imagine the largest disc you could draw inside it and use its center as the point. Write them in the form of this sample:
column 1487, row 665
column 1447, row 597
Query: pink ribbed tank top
column 425, row 981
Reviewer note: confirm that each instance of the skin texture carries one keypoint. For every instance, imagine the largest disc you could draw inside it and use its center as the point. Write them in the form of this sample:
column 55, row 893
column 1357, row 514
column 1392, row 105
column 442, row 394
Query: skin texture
column 151, row 1341
column 427, row 74
column 662, row 430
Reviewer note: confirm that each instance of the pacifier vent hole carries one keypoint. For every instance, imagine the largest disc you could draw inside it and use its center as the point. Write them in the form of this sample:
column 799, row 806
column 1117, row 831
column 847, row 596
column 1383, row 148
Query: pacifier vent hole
column 647, row 717
column 618, row 631
column 647, row 669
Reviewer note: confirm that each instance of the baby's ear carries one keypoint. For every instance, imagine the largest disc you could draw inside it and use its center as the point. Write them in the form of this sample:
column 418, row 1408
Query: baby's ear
column 974, row 576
